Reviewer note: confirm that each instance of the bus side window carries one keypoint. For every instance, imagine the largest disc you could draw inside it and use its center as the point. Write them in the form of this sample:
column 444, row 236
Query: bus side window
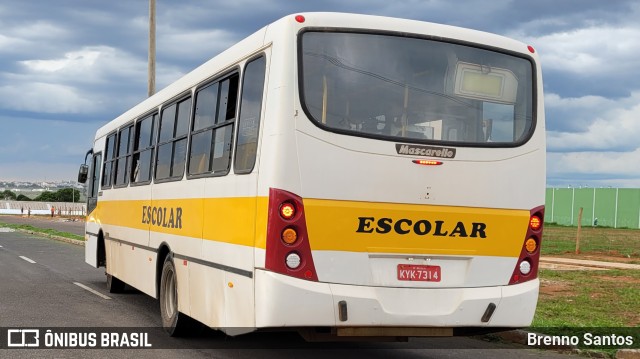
column 172, row 144
column 249, row 118
column 212, row 127
column 109, row 158
column 123, row 158
column 94, row 181
column 223, row 133
column 142, row 149
column 206, row 107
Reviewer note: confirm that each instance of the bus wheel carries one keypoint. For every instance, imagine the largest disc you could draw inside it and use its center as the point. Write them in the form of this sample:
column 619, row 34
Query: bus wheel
column 114, row 285
column 174, row 322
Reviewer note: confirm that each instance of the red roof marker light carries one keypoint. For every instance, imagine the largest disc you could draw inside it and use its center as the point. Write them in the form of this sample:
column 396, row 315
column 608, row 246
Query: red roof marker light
column 300, row 18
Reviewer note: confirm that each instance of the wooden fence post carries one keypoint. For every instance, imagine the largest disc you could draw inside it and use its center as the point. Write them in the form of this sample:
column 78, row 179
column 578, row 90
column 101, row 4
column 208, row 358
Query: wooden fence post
column 578, row 234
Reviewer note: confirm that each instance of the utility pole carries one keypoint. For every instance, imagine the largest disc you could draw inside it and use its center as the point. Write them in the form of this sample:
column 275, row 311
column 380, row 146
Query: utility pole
column 152, row 48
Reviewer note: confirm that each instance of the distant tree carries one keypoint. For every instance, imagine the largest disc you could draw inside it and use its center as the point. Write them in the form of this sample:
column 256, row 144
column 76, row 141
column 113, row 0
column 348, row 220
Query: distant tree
column 63, row 195
column 8, row 195
column 22, row 197
column 47, row 196
column 68, row 195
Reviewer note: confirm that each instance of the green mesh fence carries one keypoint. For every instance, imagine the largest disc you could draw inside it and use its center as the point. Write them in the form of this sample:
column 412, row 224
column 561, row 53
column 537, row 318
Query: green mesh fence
column 604, row 207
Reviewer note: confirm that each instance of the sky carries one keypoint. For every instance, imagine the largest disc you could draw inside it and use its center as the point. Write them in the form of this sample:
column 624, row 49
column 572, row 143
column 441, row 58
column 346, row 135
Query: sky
column 69, row 66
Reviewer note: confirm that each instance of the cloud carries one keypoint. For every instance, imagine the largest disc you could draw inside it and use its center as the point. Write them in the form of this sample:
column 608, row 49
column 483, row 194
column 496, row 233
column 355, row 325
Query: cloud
column 576, row 114
column 188, row 45
column 9, row 44
column 607, row 124
column 93, row 79
column 600, row 59
column 605, row 168
column 72, row 63
column 39, row 30
column 45, row 97
column 591, row 51
column 90, row 65
column 605, row 151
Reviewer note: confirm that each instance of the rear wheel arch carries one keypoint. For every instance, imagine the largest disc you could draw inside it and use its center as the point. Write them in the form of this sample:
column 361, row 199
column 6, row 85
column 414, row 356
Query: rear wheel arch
column 163, row 252
column 174, row 322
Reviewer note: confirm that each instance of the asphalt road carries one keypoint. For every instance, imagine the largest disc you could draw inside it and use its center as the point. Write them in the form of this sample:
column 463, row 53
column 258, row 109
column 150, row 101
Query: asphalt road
column 43, row 284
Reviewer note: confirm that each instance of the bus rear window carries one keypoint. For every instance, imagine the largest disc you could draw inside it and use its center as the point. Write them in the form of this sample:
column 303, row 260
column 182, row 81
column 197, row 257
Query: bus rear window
column 415, row 90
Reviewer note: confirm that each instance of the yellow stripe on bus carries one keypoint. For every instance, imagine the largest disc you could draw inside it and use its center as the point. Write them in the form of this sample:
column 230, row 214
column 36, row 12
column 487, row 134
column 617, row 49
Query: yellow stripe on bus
column 332, row 225
column 417, row 229
column 230, row 220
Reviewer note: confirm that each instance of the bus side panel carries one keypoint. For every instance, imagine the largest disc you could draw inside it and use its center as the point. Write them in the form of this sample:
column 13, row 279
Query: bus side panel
column 182, row 233
column 91, row 245
column 207, row 295
column 133, row 265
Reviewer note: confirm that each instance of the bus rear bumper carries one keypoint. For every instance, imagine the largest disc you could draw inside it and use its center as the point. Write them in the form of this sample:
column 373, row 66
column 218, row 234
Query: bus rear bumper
column 283, row 301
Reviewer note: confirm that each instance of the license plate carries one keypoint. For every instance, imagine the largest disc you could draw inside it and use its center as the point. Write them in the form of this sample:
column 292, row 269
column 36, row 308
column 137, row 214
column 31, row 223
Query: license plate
column 419, row 273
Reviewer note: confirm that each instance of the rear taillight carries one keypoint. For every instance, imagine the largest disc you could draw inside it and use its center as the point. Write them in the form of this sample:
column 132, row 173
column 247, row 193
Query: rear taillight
column 527, row 267
column 288, row 251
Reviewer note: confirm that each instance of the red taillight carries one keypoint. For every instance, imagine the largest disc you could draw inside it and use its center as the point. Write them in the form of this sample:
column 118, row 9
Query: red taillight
column 287, row 210
column 288, row 251
column 527, row 266
column 535, row 223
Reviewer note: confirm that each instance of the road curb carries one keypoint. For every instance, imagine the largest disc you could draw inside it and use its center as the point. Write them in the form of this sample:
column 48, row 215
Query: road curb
column 51, row 236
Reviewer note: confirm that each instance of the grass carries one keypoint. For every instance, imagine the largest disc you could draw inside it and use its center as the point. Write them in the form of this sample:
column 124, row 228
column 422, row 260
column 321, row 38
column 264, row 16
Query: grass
column 589, row 299
column 51, row 232
column 560, row 240
column 573, row 303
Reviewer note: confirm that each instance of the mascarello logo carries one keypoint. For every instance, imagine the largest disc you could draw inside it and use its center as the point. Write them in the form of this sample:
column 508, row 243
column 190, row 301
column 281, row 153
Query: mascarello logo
column 427, row 151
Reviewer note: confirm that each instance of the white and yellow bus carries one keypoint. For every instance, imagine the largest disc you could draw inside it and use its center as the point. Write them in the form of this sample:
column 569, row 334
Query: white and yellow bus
column 364, row 175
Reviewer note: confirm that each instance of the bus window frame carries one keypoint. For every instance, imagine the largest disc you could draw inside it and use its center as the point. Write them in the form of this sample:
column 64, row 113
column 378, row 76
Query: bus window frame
column 90, row 187
column 174, row 101
column 218, row 78
column 152, row 148
column 104, row 160
column 118, row 157
column 526, row 137
column 239, row 111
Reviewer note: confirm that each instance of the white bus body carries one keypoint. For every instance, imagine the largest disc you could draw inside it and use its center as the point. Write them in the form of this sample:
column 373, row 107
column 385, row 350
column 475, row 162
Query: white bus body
column 411, row 156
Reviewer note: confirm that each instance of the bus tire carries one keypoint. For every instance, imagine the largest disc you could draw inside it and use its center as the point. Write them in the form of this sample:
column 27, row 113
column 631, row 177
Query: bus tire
column 173, row 322
column 114, row 285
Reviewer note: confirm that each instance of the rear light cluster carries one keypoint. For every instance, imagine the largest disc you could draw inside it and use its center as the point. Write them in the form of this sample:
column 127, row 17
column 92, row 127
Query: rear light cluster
column 288, row 251
column 527, row 266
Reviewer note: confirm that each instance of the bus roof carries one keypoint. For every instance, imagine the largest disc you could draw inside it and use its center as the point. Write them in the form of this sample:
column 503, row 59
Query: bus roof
column 319, row 20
